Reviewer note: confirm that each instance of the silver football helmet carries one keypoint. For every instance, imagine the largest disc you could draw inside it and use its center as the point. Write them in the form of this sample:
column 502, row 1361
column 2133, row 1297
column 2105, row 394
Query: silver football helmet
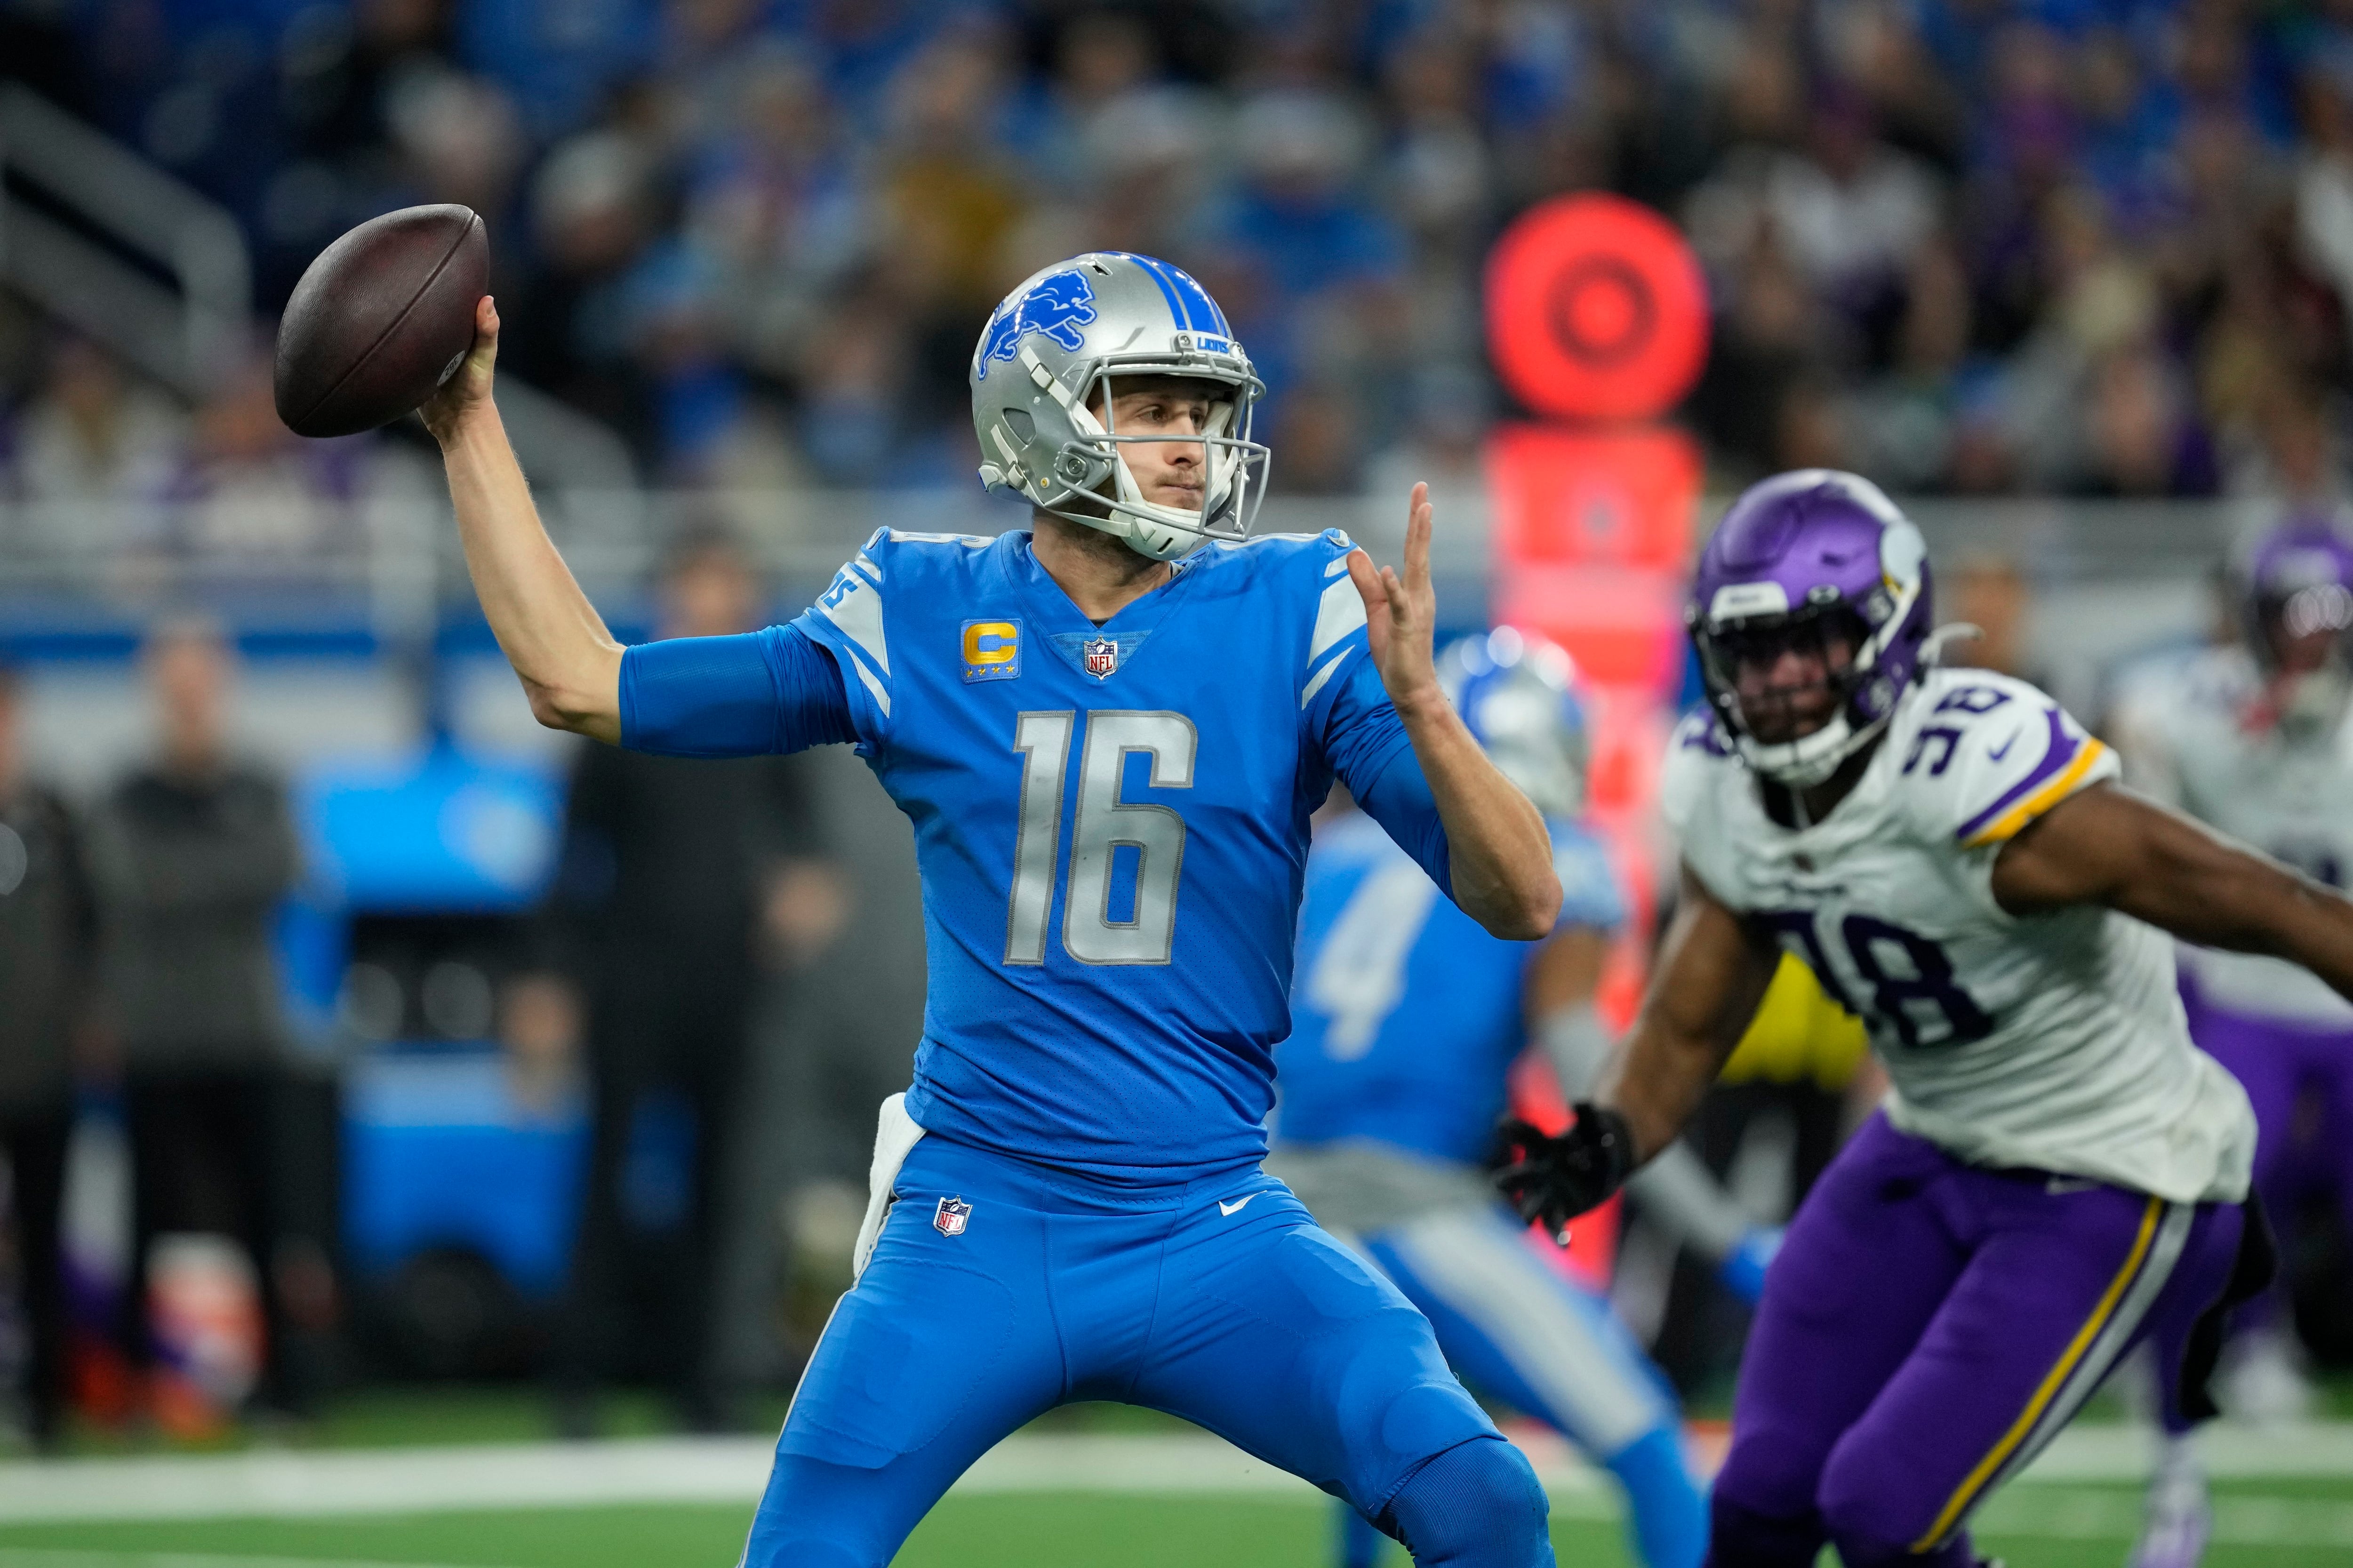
column 1517, row 695
column 1046, row 353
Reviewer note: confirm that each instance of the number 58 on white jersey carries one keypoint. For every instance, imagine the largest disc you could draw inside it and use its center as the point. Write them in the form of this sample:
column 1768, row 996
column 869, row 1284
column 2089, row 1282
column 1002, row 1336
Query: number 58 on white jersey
column 2052, row 1042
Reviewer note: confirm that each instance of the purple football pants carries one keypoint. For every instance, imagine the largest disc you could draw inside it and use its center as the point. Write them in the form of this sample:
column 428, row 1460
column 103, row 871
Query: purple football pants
column 1925, row 1329
column 2278, row 1064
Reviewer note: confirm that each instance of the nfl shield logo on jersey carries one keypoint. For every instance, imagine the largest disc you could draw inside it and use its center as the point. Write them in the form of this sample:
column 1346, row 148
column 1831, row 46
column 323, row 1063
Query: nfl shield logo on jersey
column 1102, row 656
column 950, row 1217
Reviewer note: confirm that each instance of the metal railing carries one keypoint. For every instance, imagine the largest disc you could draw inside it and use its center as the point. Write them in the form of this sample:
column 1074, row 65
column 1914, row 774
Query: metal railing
column 191, row 334
column 114, row 557
column 186, row 337
column 402, row 544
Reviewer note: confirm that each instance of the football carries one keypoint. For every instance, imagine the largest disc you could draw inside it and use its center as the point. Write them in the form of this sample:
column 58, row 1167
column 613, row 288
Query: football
column 381, row 318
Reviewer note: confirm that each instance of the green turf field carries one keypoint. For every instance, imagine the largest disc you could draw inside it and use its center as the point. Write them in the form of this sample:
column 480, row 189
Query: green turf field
column 2280, row 1524
column 2275, row 1522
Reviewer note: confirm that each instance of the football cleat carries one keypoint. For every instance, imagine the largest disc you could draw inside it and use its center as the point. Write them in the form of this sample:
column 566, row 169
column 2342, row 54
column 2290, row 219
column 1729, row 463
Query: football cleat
column 2178, row 1517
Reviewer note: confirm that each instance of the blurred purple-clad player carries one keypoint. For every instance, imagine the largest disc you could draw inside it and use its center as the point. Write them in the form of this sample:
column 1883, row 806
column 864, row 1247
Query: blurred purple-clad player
column 2255, row 739
column 2057, row 1173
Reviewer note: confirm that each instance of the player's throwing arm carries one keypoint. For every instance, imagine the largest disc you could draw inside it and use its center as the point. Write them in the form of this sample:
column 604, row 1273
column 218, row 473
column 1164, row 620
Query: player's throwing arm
column 569, row 664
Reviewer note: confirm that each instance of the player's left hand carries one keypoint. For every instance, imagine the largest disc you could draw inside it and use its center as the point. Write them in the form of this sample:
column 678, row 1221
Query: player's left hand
column 1401, row 613
column 1554, row 1180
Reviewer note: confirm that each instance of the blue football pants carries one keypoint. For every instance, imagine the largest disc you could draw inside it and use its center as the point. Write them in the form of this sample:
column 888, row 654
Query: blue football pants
column 1515, row 1329
column 1220, row 1301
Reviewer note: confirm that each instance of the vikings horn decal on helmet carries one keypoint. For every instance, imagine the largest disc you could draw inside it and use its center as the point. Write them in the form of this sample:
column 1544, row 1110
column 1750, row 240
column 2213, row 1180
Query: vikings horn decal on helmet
column 1038, row 374
column 1517, row 695
column 1815, row 555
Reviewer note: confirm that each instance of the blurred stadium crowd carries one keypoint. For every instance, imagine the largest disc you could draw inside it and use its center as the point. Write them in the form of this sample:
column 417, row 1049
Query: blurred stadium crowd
column 2087, row 247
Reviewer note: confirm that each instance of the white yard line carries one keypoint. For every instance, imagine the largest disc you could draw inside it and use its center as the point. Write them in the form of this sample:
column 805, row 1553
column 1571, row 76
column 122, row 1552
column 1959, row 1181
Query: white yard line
column 386, row 1480
column 280, row 1484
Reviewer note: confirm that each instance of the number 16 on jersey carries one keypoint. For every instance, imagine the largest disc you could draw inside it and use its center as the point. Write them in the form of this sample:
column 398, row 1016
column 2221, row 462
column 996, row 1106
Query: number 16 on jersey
column 1102, row 824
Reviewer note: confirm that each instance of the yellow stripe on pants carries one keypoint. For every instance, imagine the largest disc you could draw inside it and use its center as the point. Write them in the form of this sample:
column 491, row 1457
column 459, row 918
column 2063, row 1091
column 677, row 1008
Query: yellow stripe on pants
column 1968, row 1492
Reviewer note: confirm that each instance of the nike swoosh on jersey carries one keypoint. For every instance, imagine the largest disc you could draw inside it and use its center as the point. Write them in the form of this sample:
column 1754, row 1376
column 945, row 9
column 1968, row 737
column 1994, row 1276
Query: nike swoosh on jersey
column 2006, row 745
column 1235, row 1207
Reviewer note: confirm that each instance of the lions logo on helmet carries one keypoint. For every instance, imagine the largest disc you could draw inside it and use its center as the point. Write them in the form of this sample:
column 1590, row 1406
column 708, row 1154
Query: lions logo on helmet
column 1058, row 305
column 1517, row 696
column 1064, row 334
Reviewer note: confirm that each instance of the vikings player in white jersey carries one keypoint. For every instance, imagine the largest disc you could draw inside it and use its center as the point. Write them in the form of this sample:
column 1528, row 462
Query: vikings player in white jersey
column 2058, row 1174
column 2256, row 739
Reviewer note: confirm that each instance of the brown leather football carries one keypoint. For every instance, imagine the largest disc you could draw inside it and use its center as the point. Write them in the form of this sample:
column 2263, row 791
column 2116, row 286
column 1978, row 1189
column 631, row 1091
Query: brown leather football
column 380, row 320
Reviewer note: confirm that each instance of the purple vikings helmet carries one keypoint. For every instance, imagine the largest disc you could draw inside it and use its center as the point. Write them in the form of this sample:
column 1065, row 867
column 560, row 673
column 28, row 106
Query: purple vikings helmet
column 1803, row 559
column 1517, row 696
column 2299, row 584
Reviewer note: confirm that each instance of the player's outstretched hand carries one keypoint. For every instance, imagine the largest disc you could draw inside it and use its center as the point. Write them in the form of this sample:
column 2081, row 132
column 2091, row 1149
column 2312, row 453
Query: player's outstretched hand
column 468, row 387
column 1401, row 611
column 1551, row 1181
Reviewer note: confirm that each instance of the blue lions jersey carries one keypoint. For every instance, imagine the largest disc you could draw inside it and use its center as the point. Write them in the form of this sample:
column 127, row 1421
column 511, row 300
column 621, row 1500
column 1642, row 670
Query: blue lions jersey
column 1111, row 825
column 1407, row 1014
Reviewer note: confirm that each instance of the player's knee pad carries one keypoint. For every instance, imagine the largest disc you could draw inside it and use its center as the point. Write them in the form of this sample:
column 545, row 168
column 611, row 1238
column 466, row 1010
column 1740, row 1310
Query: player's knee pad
column 1477, row 1505
column 1741, row 1536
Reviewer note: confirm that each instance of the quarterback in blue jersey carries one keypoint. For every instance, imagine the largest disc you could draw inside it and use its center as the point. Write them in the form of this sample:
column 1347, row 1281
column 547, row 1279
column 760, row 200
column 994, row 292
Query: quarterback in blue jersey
column 1109, row 730
column 1406, row 1018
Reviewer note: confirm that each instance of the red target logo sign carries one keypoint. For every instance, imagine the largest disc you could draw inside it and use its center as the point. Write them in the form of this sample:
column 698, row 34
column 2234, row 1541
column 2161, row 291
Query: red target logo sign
column 1596, row 310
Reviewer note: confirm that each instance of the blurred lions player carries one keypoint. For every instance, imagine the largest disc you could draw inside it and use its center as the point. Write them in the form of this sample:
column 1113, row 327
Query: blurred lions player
column 1406, row 1018
column 2057, row 1172
column 1109, row 730
column 2256, row 739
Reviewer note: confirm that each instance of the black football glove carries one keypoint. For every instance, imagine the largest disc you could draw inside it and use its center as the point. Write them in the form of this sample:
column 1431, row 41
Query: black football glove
column 1554, row 1180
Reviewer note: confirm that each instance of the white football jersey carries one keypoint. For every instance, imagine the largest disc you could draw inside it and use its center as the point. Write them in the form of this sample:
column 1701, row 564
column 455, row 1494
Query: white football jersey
column 2196, row 735
column 2052, row 1042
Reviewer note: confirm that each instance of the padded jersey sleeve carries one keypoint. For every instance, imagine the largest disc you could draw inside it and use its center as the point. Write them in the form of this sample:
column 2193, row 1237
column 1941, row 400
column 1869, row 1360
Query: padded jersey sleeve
column 1348, row 717
column 1344, row 711
column 1989, row 755
column 1400, row 800
column 848, row 620
column 767, row 691
column 1682, row 778
column 1691, row 782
